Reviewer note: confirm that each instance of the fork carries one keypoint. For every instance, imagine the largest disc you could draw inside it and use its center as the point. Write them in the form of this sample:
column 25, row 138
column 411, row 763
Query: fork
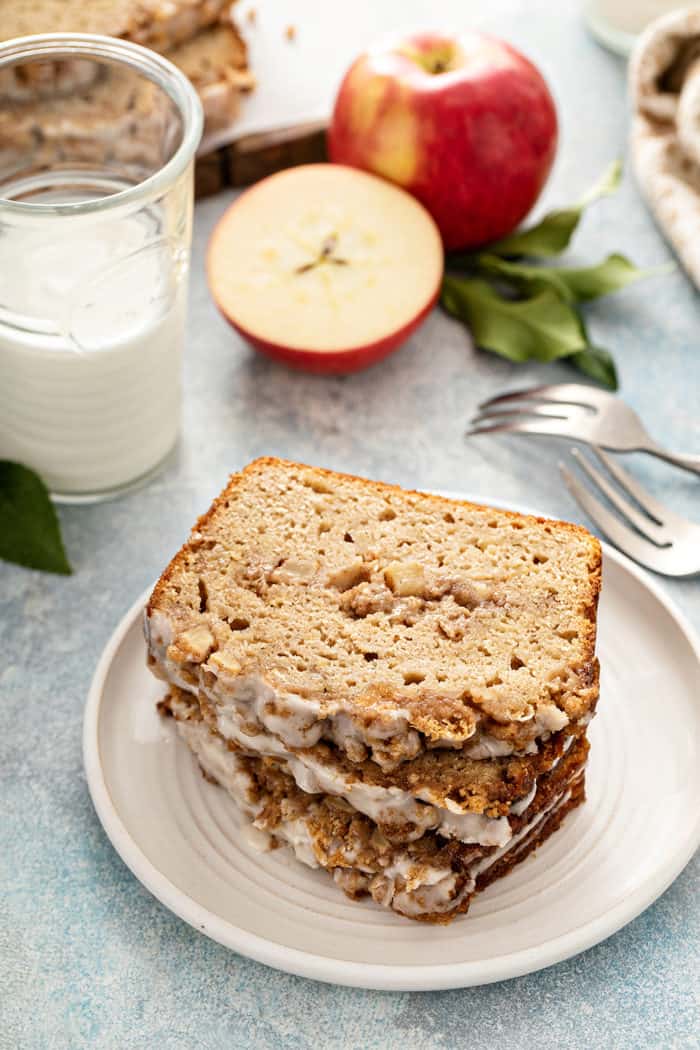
column 576, row 411
column 659, row 539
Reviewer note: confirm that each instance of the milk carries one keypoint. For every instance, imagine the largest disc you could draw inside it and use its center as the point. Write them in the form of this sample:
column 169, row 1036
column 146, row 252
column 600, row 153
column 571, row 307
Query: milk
column 91, row 338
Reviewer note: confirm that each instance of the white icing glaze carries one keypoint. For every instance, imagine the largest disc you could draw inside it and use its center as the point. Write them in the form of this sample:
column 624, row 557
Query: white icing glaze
column 488, row 747
column 519, row 807
column 158, row 630
column 549, row 719
column 431, row 890
column 260, row 840
column 567, row 744
column 440, row 897
column 426, row 889
column 479, row 866
column 296, row 834
column 225, row 766
column 409, row 888
column 301, row 722
column 384, row 805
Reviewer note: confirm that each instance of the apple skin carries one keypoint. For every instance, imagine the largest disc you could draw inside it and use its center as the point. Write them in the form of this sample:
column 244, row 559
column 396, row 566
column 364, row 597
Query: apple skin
column 334, row 362
column 467, row 125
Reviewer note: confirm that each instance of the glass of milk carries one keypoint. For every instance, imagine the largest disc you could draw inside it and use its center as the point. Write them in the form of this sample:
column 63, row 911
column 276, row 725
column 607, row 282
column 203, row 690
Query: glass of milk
column 97, row 145
column 617, row 23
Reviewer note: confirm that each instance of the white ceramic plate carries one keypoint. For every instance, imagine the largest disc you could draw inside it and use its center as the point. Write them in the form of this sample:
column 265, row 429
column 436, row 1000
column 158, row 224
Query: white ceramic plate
column 611, row 859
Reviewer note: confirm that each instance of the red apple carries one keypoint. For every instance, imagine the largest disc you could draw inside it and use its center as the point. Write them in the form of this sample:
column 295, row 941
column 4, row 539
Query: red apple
column 467, row 125
column 325, row 267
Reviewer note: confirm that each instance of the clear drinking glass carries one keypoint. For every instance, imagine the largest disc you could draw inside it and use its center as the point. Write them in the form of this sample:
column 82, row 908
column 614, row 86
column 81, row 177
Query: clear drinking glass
column 97, row 145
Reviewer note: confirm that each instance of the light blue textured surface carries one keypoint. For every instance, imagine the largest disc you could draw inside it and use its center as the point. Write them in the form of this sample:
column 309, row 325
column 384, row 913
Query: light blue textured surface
column 87, row 957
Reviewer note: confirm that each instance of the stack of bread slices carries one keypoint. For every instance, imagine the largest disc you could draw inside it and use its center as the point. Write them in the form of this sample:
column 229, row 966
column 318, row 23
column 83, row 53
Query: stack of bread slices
column 393, row 684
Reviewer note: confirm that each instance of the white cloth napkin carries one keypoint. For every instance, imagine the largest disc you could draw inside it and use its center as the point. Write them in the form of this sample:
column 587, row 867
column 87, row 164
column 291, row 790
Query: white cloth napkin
column 665, row 141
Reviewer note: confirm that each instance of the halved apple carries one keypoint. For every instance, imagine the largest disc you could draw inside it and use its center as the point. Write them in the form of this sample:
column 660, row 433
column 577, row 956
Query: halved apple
column 325, row 267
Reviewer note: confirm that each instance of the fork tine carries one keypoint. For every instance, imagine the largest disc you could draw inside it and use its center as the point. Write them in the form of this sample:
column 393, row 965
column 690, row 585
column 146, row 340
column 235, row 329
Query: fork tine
column 621, row 535
column 654, row 509
column 534, row 393
column 653, row 530
column 522, row 412
column 555, row 427
column 577, row 393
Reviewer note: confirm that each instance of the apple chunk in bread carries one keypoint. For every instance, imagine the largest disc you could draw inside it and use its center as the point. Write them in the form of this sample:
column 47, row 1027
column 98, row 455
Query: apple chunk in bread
column 325, row 267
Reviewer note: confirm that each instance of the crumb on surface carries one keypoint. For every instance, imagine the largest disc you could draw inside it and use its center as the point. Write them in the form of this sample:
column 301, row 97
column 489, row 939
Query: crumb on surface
column 252, row 16
column 290, row 33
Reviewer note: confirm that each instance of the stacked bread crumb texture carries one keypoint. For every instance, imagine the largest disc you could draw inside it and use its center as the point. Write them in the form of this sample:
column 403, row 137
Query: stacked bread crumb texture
column 395, row 685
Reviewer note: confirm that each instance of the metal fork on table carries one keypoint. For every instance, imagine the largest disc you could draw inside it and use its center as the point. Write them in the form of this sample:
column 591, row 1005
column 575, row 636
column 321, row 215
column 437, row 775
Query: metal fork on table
column 650, row 534
column 576, row 411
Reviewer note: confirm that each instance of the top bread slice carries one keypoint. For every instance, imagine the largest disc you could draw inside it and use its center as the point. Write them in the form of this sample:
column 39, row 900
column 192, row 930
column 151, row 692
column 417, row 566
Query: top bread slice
column 384, row 621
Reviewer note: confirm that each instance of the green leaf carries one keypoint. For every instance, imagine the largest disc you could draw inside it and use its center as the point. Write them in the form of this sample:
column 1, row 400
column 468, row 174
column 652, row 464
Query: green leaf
column 542, row 328
column 552, row 234
column 29, row 530
column 578, row 284
column 610, row 275
column 529, row 280
column 597, row 364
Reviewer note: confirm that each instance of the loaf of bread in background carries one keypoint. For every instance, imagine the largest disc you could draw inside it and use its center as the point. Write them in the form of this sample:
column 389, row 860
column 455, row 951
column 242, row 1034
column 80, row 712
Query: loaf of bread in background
column 216, row 61
column 199, row 36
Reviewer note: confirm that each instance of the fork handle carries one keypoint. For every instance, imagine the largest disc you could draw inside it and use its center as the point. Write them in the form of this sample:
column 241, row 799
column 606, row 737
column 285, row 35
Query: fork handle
column 691, row 463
